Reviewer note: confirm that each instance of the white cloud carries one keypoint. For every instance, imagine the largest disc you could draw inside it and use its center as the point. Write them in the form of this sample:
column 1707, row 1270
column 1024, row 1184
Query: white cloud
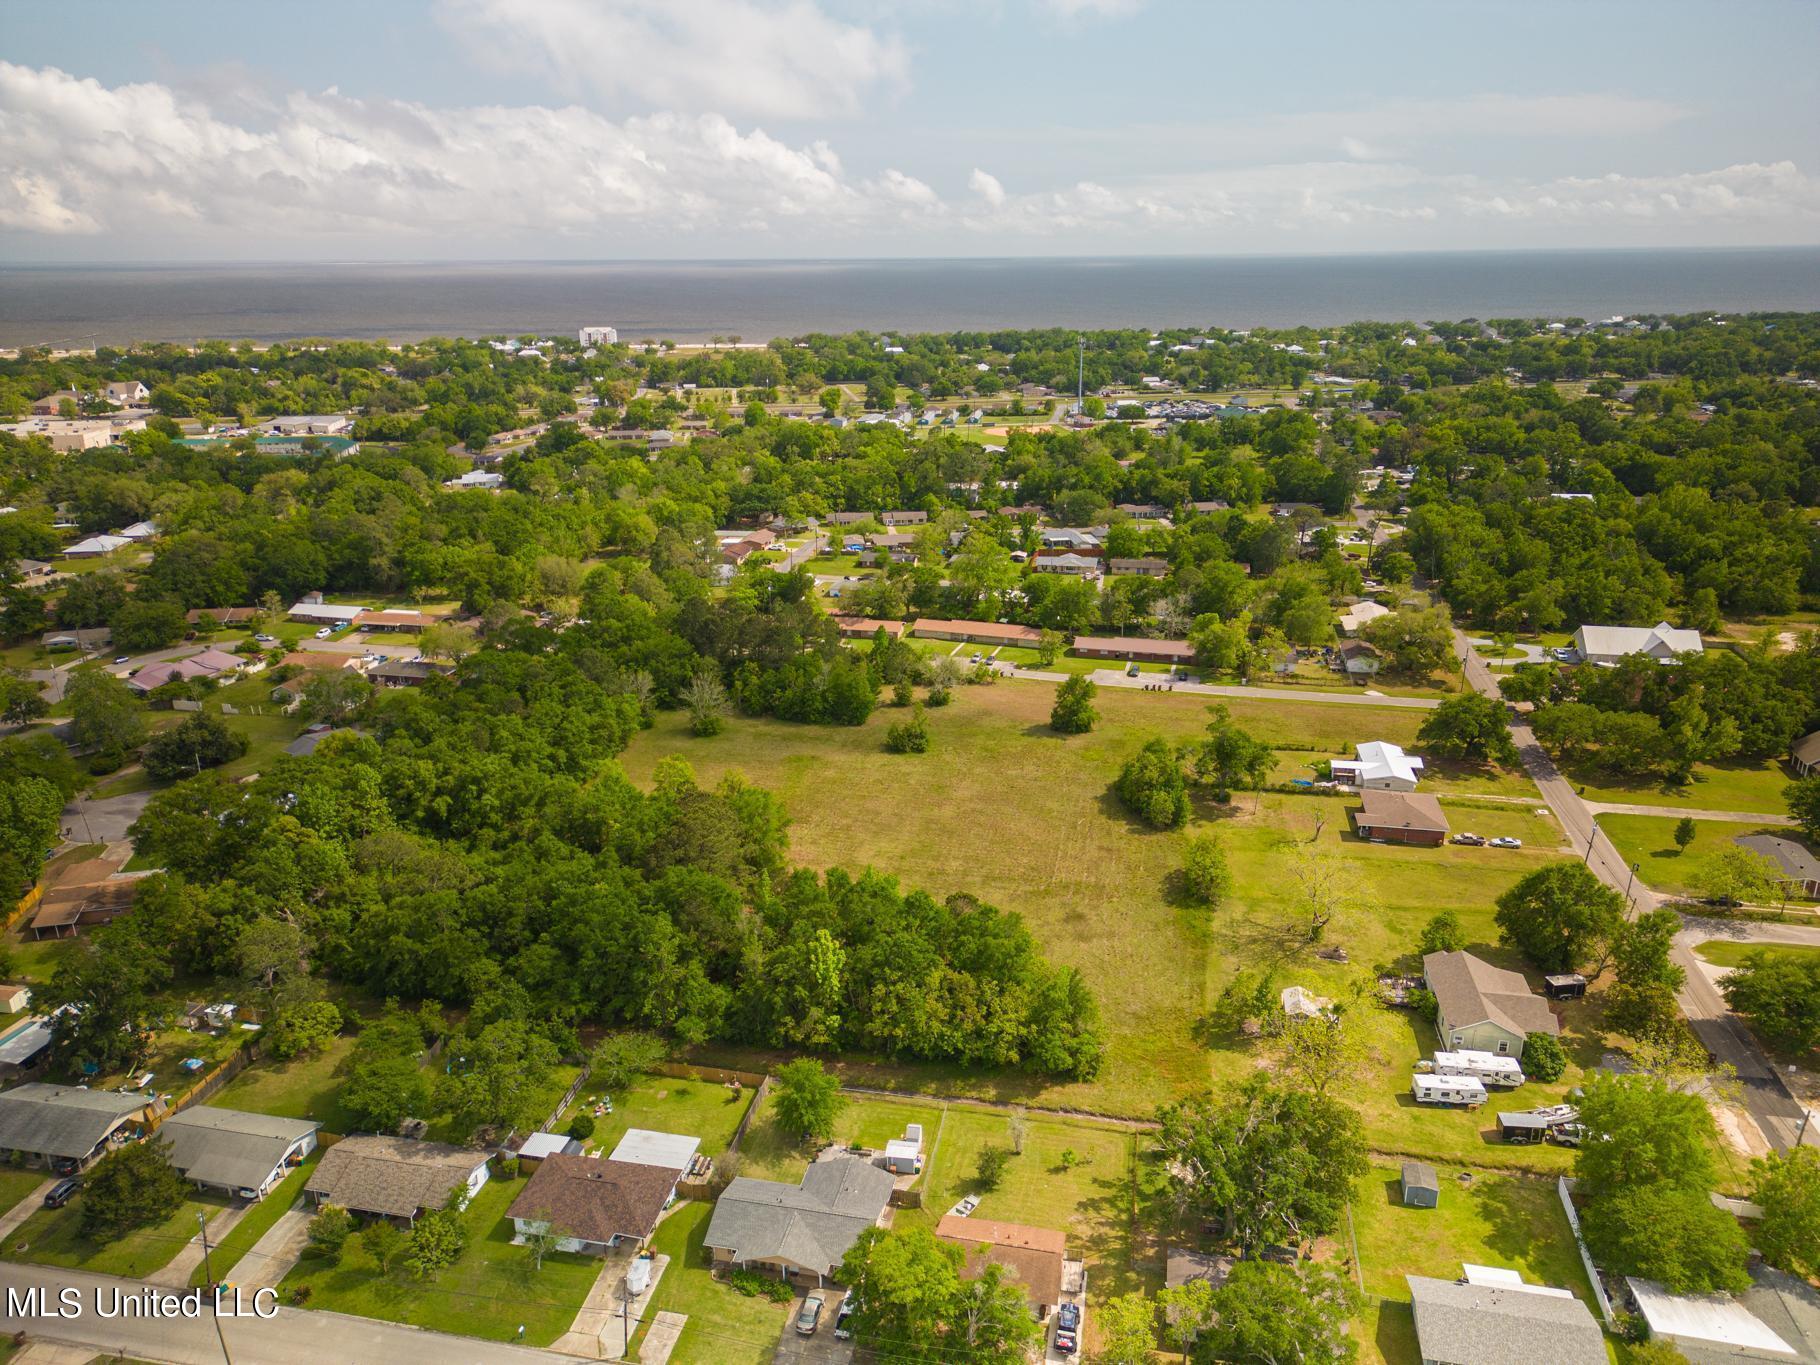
column 1745, row 192
column 772, row 58
column 1093, row 9
column 986, row 186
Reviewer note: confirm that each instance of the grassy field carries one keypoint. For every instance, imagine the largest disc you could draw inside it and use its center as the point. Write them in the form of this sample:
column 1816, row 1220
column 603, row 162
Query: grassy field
column 769, row 1153
column 16, row 1183
column 1094, row 887
column 54, row 1237
column 1648, row 841
column 1726, row 954
column 724, row 1327
column 305, row 1088
column 666, row 1105
column 487, row 1293
column 241, row 1238
column 1755, row 788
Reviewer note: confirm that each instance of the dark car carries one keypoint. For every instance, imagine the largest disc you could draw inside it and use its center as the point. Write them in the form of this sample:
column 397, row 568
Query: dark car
column 811, row 1316
column 61, row 1193
column 64, row 1165
column 1067, row 1340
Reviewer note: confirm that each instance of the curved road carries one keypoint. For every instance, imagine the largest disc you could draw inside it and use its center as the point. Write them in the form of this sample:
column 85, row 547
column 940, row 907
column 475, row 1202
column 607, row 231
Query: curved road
column 1776, row 1112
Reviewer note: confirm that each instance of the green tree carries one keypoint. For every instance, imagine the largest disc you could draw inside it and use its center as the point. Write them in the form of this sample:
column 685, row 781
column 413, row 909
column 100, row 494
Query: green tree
column 31, row 810
column 1442, row 934
column 203, row 740
column 619, row 1059
column 382, row 1092
column 21, row 699
column 1048, row 647
column 329, row 1231
column 807, row 1099
column 1641, row 1131
column 1074, row 712
column 1127, row 1329
column 1205, row 875
column 104, row 713
column 1786, row 1185
column 497, row 1076
column 437, row 1240
column 1276, row 1313
column 989, row 1169
column 1669, row 1232
column 1470, row 726
column 1685, row 833
column 706, row 700
column 1780, row 994
column 1153, row 787
column 385, row 1242
column 143, row 624
column 1230, row 757
column 302, row 1030
column 1561, row 917
column 829, row 399
column 131, row 1187
column 1739, row 876
column 1642, row 1003
column 1544, row 1059
column 1803, row 799
column 327, row 697
column 1415, row 642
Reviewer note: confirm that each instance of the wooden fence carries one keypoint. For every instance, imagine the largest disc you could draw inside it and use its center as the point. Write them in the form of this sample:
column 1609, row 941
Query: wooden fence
column 242, row 1058
column 567, row 1099
column 27, row 904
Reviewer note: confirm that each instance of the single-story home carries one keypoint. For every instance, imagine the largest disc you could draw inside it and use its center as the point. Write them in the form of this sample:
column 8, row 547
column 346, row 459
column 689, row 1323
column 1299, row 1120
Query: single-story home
column 393, row 1177
column 1359, row 660
column 240, row 1153
column 798, row 1230
column 1065, row 563
column 313, row 611
column 591, row 1204
column 849, row 518
column 1482, row 1007
column 310, row 424
column 1134, row 648
column 408, row 621
column 1032, row 1256
column 1777, row 1319
column 902, row 518
column 1138, row 568
column 125, row 391
column 69, row 1127
column 647, row 1147
column 977, row 632
column 220, row 616
column 1804, row 754
column 1421, row 1186
column 51, row 405
column 1661, row 642
column 865, row 627
column 1379, row 765
column 86, row 638
column 1400, row 818
column 96, row 546
column 177, row 670
column 1490, row 1317
column 323, row 660
column 407, row 672
column 1800, row 869
column 1355, row 616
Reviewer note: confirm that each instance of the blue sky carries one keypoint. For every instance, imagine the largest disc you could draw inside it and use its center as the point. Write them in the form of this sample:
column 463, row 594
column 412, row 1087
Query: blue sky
column 424, row 129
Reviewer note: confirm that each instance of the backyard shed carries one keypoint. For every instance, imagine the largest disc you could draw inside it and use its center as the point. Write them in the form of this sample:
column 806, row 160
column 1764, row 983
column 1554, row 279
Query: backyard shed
column 1421, row 1186
column 1567, row 986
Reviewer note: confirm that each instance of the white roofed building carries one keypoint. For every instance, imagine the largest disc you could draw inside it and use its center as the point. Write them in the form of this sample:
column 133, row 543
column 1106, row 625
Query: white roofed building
column 1380, row 766
column 1661, row 642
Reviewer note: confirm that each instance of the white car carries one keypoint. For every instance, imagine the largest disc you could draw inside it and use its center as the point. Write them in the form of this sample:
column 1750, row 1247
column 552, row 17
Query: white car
column 1505, row 841
column 265, row 639
column 325, row 632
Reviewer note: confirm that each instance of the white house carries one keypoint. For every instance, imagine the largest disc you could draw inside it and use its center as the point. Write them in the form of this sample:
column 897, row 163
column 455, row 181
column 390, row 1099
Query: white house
column 1381, row 766
column 96, row 546
column 1358, row 614
column 126, row 392
column 139, row 530
column 310, row 424
column 598, row 336
column 477, row 478
column 1661, row 642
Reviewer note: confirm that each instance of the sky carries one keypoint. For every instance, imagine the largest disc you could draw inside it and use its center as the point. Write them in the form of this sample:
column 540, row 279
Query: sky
column 198, row 130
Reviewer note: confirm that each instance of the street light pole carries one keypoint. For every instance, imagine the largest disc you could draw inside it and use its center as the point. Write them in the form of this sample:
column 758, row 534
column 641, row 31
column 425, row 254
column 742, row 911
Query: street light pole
column 1587, row 860
column 208, row 1278
column 1630, row 882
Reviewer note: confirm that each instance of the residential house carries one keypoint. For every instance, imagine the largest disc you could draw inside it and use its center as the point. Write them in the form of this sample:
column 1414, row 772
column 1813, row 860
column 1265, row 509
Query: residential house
column 1080, row 566
column 1661, row 642
column 1482, row 1007
column 977, row 632
column 126, row 392
column 1134, row 648
column 407, row 672
column 1804, row 755
column 313, row 611
column 799, row 1230
column 96, row 546
column 1032, row 1257
column 220, row 616
column 1143, row 511
column 1359, row 660
column 51, row 405
column 167, row 670
column 590, row 1204
column 407, row 622
column 94, row 891
column 1210, row 505
column 241, row 1154
column 393, row 1177
column 849, row 518
column 1380, row 766
column 139, row 530
column 31, row 570
column 476, row 478
column 69, row 1127
column 1800, row 869
column 1138, row 568
column 1070, row 538
column 312, row 424
column 1776, row 1319
column 865, row 627
column 1355, row 616
column 902, row 518
column 1491, row 1317
column 1400, row 818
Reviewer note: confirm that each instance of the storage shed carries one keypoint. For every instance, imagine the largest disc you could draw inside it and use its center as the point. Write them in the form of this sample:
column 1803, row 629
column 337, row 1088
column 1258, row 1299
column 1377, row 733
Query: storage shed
column 1421, row 1186
column 1567, row 986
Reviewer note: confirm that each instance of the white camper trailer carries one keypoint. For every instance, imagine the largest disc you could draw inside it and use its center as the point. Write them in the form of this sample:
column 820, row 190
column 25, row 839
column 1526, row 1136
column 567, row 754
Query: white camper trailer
column 1447, row 1090
column 1487, row 1067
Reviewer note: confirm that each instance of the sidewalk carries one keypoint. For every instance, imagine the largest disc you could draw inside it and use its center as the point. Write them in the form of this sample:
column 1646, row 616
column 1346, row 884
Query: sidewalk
column 25, row 1208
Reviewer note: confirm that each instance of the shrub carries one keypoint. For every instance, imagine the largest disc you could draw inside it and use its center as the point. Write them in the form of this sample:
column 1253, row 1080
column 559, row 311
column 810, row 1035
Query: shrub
column 756, row 1286
column 581, row 1127
column 1442, row 934
column 1204, row 871
column 991, row 1169
column 1153, row 787
column 1544, row 1059
column 909, row 736
column 329, row 1231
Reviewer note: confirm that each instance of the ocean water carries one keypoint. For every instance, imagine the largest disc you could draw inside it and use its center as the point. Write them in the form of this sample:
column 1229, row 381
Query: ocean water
column 757, row 300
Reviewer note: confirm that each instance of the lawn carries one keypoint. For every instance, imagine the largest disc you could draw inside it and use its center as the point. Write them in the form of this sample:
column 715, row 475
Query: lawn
column 725, row 1327
column 1755, row 788
column 1723, row 953
column 257, row 1222
column 304, row 1088
column 487, row 1293
column 666, row 1105
column 1094, row 887
column 54, row 1237
column 16, row 1183
column 769, row 1153
column 1648, row 841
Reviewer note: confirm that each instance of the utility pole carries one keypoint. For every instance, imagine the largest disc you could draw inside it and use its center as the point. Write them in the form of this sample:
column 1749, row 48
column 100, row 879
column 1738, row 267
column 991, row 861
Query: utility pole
column 208, row 1278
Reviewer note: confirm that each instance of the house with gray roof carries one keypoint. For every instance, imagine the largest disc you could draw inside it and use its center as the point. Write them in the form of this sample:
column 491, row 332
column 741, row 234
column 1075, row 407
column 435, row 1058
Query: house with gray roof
column 1493, row 1318
column 242, row 1154
column 68, row 1127
column 1803, row 754
column 1661, row 642
column 1482, row 1007
column 1799, row 869
column 798, row 1230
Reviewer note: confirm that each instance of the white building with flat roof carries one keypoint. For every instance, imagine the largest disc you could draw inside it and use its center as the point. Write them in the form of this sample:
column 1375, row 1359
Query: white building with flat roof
column 599, row 336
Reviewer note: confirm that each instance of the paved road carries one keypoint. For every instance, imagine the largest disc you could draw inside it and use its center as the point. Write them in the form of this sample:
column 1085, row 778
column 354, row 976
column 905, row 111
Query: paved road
column 1778, row 1116
column 103, row 821
column 1531, row 654
column 294, row 1337
column 1117, row 677
column 1736, row 817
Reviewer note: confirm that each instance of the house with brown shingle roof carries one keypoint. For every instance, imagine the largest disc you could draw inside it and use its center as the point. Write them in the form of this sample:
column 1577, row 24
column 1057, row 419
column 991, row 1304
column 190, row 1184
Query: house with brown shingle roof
column 1400, row 818
column 1482, row 1007
column 394, row 1177
column 592, row 1204
column 1032, row 1257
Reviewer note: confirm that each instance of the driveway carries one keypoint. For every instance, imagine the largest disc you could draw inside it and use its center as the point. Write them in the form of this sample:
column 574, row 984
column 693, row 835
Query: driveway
column 104, row 821
column 276, row 1251
column 1531, row 654
column 294, row 1336
column 824, row 1348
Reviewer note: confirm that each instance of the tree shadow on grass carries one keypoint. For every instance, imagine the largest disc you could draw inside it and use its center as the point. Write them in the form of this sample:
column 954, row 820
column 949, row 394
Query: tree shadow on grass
column 1515, row 1214
column 1250, row 937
